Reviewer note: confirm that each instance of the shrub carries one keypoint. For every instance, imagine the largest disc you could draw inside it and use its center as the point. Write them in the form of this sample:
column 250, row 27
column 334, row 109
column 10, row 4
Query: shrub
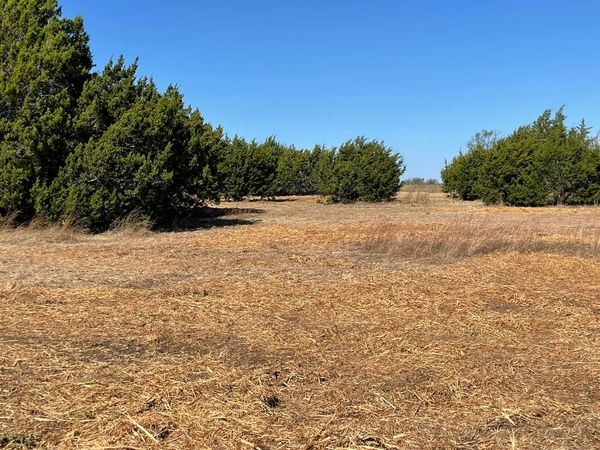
column 294, row 173
column 99, row 147
column 538, row 164
column 152, row 160
column 362, row 170
column 250, row 168
column 261, row 168
column 421, row 181
column 44, row 61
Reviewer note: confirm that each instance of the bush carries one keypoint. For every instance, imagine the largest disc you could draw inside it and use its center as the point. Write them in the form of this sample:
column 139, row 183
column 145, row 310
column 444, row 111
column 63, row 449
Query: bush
column 294, row 173
column 362, row 170
column 358, row 170
column 150, row 160
column 232, row 169
column 538, row 164
column 421, row 181
column 250, row 168
column 44, row 62
column 261, row 168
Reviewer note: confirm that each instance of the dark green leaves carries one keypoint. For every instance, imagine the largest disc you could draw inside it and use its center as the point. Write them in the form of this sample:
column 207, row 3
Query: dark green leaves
column 44, row 62
column 362, row 170
column 539, row 164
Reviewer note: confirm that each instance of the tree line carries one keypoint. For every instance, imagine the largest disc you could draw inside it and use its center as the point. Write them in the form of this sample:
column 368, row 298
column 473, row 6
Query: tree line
column 100, row 145
column 545, row 162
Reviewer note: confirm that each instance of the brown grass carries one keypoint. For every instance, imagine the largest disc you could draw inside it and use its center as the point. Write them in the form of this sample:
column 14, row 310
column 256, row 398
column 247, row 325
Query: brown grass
column 425, row 188
column 288, row 331
column 418, row 194
column 462, row 236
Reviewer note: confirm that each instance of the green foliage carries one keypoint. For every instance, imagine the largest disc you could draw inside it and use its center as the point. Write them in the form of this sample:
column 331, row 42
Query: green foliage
column 250, row 168
column 359, row 170
column 261, row 168
column 362, row 170
column 44, row 62
column 421, row 181
column 461, row 178
column 105, row 98
column 294, row 173
column 233, row 168
column 152, row 155
column 538, row 164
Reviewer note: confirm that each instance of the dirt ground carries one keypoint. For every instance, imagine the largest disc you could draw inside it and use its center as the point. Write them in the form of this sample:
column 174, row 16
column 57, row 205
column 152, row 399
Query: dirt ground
column 274, row 326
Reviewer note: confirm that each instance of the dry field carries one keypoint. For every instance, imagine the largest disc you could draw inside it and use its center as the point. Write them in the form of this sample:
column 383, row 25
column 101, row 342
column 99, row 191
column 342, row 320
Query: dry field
column 417, row 324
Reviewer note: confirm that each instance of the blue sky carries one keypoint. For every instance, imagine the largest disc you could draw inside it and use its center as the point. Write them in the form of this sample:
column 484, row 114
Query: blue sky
column 423, row 76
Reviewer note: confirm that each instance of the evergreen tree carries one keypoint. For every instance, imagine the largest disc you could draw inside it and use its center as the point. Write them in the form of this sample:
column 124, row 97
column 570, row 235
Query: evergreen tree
column 152, row 159
column 294, row 173
column 233, row 169
column 44, row 62
column 542, row 163
column 322, row 162
column 102, row 145
column 363, row 170
column 561, row 160
column 105, row 97
column 262, row 167
column 205, row 151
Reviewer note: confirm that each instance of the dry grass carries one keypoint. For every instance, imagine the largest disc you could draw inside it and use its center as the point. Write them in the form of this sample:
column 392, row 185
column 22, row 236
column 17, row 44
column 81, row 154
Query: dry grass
column 462, row 237
column 446, row 241
column 134, row 222
column 38, row 230
column 418, row 194
column 283, row 329
column 425, row 188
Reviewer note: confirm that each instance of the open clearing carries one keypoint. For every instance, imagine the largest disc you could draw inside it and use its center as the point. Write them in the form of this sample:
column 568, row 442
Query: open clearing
column 295, row 324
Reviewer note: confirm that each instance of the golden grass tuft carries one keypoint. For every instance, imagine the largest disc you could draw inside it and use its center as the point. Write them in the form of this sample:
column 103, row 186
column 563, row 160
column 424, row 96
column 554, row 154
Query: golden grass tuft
column 39, row 230
column 134, row 222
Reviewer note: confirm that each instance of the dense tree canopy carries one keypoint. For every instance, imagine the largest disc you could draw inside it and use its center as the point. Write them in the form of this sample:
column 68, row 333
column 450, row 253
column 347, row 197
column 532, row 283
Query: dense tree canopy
column 44, row 62
column 154, row 157
column 543, row 163
column 99, row 146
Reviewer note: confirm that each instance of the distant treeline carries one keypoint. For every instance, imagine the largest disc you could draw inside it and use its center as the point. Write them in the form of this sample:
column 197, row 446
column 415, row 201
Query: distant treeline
column 98, row 146
column 358, row 170
column 543, row 163
column 421, row 181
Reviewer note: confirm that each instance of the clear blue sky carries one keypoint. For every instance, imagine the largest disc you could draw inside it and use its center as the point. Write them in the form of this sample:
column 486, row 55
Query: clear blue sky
column 424, row 76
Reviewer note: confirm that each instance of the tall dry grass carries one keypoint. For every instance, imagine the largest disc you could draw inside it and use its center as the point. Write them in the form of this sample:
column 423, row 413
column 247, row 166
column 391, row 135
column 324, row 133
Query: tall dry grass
column 466, row 236
column 418, row 194
column 69, row 229
column 133, row 223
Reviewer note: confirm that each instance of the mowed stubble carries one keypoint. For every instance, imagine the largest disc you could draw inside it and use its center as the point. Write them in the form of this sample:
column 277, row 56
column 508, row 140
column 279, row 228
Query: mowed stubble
column 296, row 324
